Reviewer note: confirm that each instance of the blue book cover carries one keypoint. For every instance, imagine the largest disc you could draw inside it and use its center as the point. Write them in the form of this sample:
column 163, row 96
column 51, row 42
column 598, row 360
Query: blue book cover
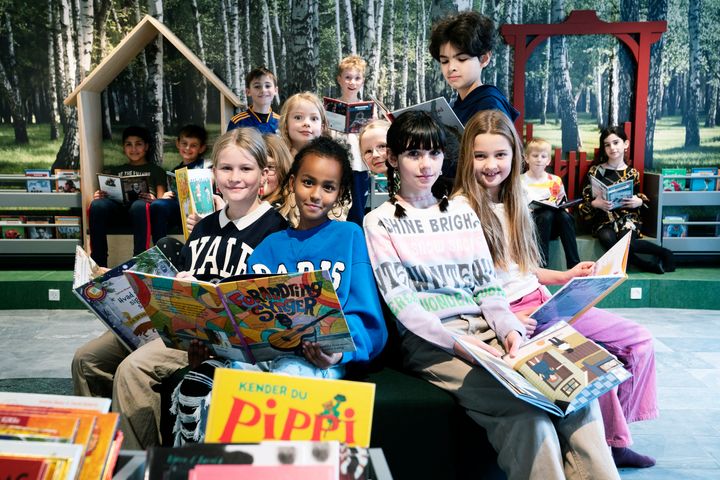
column 706, row 184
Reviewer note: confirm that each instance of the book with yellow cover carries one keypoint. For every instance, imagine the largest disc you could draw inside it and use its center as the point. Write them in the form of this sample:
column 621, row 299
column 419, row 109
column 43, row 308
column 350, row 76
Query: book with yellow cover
column 63, row 458
column 255, row 406
column 194, row 193
column 42, row 427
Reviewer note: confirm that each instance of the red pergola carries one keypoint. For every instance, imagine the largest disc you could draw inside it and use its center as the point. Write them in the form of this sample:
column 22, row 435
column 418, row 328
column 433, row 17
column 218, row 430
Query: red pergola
column 638, row 36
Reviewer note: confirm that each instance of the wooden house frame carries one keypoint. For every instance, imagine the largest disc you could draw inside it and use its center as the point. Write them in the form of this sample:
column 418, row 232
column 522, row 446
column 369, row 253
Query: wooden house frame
column 86, row 97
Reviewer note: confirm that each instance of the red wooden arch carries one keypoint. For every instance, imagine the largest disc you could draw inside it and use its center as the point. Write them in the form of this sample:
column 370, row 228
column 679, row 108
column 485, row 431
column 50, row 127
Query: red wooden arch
column 638, row 36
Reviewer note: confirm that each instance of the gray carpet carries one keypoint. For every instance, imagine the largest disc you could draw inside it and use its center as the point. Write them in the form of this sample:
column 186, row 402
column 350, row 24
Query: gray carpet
column 59, row 386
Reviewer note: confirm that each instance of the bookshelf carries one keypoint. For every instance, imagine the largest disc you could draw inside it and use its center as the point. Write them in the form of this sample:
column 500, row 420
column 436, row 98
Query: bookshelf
column 661, row 201
column 16, row 201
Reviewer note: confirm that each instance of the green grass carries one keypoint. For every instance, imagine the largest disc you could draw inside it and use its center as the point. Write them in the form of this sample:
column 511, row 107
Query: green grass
column 41, row 151
column 670, row 150
column 669, row 145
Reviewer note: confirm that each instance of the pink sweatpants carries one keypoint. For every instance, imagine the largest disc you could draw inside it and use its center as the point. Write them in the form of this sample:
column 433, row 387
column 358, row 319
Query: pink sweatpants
column 634, row 399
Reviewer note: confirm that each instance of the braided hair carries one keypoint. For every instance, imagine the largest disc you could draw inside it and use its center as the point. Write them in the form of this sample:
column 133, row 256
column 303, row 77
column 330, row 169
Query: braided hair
column 413, row 130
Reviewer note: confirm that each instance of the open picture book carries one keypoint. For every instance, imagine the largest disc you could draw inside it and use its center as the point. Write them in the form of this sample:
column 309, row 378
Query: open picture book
column 555, row 206
column 251, row 319
column 559, row 370
column 614, row 193
column 123, row 189
column 439, row 109
column 109, row 296
column 581, row 293
column 348, row 117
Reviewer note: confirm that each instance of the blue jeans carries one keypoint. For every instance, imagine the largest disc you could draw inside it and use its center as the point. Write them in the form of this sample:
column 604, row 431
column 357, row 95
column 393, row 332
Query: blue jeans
column 164, row 213
column 105, row 212
column 360, row 191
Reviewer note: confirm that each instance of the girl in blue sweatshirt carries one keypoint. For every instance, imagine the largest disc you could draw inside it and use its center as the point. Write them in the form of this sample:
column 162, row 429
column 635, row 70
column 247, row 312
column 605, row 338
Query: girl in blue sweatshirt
column 319, row 181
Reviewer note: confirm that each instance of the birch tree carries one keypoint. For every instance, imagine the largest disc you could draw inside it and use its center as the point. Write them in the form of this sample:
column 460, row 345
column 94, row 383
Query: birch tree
column 303, row 47
column 226, row 43
column 338, row 32
column 377, row 54
column 265, row 28
column 350, row 25
column 405, row 54
column 202, row 93
column 271, row 43
column 104, row 8
column 369, row 51
column 11, row 87
column 68, row 155
column 282, row 71
column 85, row 40
column 657, row 10
column 52, row 79
column 154, row 88
column 391, row 56
column 563, row 86
column 692, row 128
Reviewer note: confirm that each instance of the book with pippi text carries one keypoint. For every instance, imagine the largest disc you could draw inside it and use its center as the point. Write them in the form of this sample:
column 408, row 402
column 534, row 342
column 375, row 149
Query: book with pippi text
column 250, row 320
column 175, row 463
column 614, row 193
column 558, row 370
column 194, row 189
column 582, row 293
column 255, row 406
column 62, row 459
column 96, row 430
column 111, row 299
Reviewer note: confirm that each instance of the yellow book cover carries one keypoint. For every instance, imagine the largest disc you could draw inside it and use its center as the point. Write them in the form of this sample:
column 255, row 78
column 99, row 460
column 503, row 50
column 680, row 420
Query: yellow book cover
column 255, row 406
column 39, row 427
column 184, row 198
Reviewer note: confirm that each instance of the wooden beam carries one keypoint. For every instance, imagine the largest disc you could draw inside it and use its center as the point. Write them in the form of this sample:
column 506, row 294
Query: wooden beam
column 91, row 153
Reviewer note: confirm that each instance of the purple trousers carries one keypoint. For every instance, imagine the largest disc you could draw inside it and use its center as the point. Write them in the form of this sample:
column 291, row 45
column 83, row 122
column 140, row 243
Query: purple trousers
column 634, row 399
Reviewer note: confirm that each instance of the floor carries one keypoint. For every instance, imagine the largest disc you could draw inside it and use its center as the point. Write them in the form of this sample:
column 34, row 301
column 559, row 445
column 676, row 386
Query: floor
column 685, row 440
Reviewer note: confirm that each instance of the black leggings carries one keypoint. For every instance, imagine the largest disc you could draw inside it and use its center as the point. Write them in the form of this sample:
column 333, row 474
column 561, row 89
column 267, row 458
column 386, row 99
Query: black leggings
column 661, row 257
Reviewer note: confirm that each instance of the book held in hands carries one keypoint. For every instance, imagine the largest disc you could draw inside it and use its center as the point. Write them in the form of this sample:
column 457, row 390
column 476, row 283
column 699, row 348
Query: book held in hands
column 249, row 320
column 558, row 370
column 348, row 117
column 111, row 299
column 123, row 188
column 194, row 189
column 614, row 193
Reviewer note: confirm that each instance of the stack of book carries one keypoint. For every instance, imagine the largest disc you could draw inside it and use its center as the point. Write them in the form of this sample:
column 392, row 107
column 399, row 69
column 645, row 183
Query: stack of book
column 57, row 437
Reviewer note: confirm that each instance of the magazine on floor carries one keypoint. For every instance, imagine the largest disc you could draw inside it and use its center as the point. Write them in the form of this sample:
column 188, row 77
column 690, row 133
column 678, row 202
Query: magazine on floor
column 252, row 319
column 582, row 293
column 111, row 299
column 558, row 370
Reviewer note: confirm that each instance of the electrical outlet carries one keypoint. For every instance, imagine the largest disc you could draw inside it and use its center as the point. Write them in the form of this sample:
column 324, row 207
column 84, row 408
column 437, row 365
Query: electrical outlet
column 636, row 293
column 53, row 295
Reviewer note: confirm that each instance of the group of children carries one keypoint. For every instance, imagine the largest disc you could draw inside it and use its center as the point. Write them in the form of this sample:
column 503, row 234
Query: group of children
column 282, row 198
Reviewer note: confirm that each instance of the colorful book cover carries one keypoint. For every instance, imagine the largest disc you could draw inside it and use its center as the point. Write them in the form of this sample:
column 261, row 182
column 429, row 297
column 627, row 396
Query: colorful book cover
column 707, row 184
column 113, row 301
column 201, row 191
column 43, row 230
column 67, row 181
column 674, row 225
column 348, row 117
column 258, row 472
column 68, row 226
column 582, row 293
column 171, row 183
column 559, row 370
column 65, row 457
column 123, row 189
column 12, row 227
column 614, row 193
column 175, row 463
column 671, row 184
column 38, row 180
column 39, row 427
column 96, row 404
column 250, row 320
column 254, row 406
column 112, row 457
column 23, row 468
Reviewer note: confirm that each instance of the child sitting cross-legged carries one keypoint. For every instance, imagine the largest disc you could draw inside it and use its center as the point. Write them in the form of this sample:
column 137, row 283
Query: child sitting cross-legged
column 319, row 179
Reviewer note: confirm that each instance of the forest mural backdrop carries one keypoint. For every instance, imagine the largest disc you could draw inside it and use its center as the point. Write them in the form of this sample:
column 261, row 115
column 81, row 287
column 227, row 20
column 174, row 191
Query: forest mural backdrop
column 48, row 47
